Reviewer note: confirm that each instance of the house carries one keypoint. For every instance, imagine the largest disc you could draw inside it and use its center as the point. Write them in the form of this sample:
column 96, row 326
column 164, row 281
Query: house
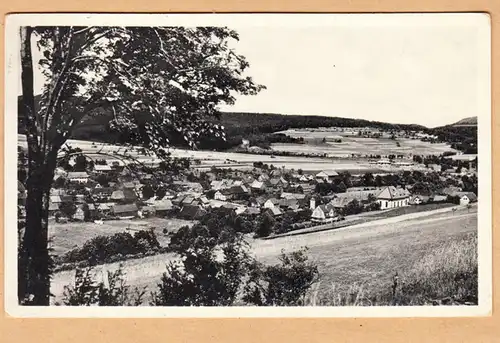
column 53, row 208
column 163, row 207
column 275, row 173
column 263, row 177
column 271, row 203
column 128, row 184
column 147, row 211
column 60, row 172
column 276, row 182
column 219, row 196
column 104, row 208
column 101, row 194
column 125, row 195
column 80, row 177
column 466, row 197
column 392, row 197
column 188, row 200
column 291, row 204
column 274, row 211
column 327, row 175
column 296, row 196
column 307, row 188
column 419, row 199
column 204, row 200
column 340, row 202
column 79, row 214
column 235, row 192
column 257, row 186
column 21, row 212
column 55, row 199
column 438, row 198
column 303, row 178
column 216, row 185
column 324, row 214
column 102, row 168
column 191, row 212
column 92, row 209
column 126, row 211
column 177, row 201
column 252, row 211
column 434, row 167
column 57, row 191
column 80, row 199
column 451, row 190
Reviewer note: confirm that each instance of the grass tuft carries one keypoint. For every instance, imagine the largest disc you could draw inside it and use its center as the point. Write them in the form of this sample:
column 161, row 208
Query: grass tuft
column 447, row 276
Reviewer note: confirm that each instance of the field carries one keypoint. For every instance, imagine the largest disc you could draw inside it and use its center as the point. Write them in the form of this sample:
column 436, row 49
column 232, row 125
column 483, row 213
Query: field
column 65, row 237
column 370, row 255
column 242, row 161
column 366, row 254
column 356, row 145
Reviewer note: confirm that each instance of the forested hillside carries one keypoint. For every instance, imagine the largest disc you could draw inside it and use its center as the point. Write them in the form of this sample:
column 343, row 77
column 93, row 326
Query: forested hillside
column 258, row 128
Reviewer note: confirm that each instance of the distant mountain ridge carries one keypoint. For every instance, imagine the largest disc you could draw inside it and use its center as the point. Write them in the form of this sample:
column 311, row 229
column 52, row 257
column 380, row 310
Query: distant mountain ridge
column 470, row 121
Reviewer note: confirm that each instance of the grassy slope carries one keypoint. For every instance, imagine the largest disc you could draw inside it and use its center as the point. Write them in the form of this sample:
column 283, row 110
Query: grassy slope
column 367, row 256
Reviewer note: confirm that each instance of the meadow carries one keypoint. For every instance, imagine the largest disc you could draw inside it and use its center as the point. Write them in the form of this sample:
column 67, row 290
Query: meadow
column 65, row 237
column 365, row 257
column 352, row 144
column 204, row 160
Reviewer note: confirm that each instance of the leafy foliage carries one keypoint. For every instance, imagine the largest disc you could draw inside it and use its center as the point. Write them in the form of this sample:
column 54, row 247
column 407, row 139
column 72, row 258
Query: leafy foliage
column 285, row 284
column 152, row 85
column 87, row 292
column 102, row 248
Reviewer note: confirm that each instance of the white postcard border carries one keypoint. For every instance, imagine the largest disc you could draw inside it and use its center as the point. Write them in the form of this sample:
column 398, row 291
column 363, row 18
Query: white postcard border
column 479, row 20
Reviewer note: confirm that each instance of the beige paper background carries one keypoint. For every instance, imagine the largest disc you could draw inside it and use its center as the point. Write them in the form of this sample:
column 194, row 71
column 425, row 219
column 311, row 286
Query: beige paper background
column 485, row 329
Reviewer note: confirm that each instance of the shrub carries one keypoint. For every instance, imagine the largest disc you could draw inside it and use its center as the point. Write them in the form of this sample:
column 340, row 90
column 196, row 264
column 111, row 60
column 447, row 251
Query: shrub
column 88, row 292
column 102, row 248
column 284, row 284
column 265, row 226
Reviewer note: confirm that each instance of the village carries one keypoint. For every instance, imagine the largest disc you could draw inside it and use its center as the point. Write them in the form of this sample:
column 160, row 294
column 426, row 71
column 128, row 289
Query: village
column 110, row 190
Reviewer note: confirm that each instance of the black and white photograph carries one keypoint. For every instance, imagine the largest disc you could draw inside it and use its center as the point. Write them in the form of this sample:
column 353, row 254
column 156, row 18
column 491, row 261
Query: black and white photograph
column 281, row 165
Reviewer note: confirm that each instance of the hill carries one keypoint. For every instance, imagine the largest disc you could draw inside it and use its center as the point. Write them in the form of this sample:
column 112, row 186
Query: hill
column 258, row 128
column 471, row 121
column 460, row 137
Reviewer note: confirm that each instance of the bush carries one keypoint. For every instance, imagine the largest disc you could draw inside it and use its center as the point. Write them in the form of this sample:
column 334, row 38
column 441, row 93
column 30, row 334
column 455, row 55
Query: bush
column 208, row 274
column 265, row 226
column 87, row 292
column 102, row 248
column 215, row 271
column 285, row 284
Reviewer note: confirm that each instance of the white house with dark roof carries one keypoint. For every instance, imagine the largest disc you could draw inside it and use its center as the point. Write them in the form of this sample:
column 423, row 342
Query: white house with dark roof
column 81, row 177
column 324, row 214
column 102, row 168
column 392, row 197
column 327, row 175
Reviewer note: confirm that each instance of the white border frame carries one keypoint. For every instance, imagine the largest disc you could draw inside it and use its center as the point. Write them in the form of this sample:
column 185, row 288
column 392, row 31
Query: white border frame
column 478, row 20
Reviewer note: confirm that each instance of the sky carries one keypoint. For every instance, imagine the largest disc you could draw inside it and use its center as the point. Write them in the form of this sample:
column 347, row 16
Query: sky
column 411, row 74
column 426, row 76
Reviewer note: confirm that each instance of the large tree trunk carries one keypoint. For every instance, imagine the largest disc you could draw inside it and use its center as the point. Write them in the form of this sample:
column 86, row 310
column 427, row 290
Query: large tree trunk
column 34, row 259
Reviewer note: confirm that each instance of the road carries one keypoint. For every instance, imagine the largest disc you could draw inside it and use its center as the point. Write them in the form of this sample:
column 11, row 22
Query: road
column 391, row 240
